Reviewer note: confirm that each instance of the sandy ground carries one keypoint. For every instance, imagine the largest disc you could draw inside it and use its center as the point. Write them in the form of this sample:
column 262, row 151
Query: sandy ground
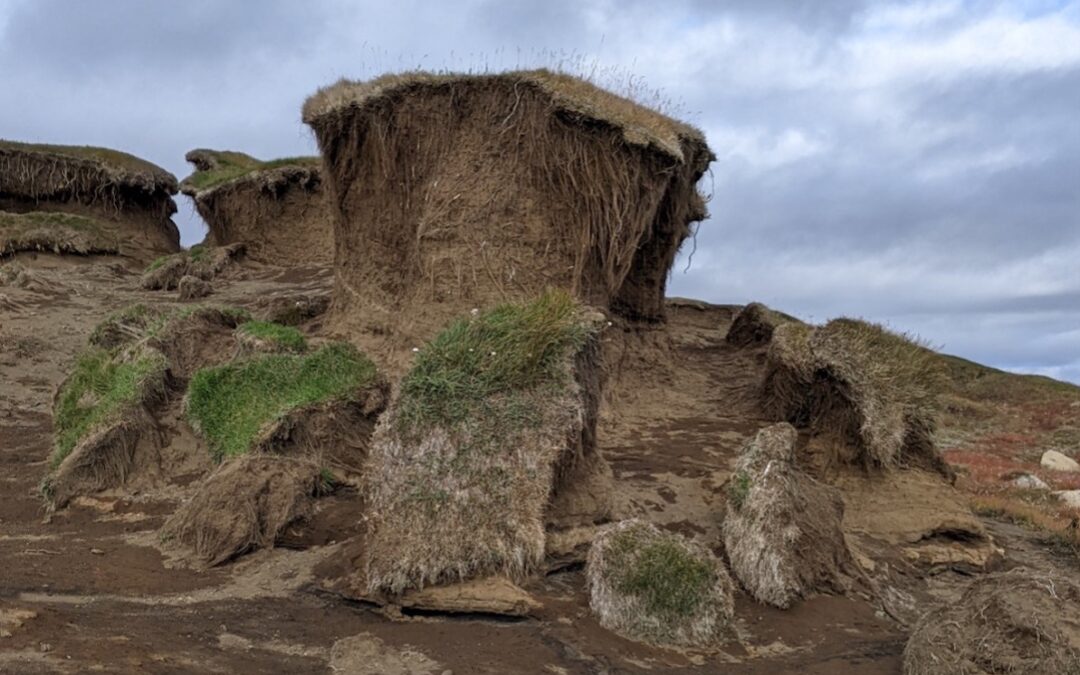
column 89, row 589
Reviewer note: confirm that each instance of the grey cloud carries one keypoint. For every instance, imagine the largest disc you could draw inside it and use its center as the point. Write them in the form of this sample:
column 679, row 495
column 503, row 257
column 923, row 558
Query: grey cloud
column 943, row 205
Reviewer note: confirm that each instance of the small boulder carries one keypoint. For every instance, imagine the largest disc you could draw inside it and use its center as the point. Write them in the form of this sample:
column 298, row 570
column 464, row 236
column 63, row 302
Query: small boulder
column 1070, row 498
column 192, row 288
column 1027, row 481
column 1055, row 461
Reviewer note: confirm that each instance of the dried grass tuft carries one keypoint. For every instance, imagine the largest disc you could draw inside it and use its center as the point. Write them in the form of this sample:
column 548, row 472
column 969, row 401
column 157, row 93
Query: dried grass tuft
column 1022, row 621
column 782, row 528
column 246, row 504
column 658, row 587
column 864, row 386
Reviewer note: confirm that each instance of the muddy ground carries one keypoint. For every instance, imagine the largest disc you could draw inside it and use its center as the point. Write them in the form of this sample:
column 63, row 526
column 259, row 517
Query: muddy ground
column 90, row 588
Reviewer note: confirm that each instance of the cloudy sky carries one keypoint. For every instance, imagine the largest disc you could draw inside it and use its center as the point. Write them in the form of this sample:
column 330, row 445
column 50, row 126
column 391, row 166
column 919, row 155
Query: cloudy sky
column 913, row 163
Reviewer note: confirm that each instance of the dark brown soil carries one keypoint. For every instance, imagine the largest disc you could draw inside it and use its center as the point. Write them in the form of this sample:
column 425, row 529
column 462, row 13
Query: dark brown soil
column 89, row 587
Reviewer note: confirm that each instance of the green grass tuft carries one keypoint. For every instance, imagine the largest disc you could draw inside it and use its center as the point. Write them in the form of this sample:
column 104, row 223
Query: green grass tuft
column 739, row 488
column 230, row 404
column 101, row 386
column 510, row 348
column 668, row 579
column 285, row 336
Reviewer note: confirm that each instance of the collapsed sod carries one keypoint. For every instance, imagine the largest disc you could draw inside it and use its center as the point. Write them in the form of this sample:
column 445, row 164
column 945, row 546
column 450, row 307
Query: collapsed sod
column 278, row 424
column 491, row 429
column 201, row 262
column 105, row 412
column 782, row 529
column 871, row 394
column 60, row 233
column 1020, row 621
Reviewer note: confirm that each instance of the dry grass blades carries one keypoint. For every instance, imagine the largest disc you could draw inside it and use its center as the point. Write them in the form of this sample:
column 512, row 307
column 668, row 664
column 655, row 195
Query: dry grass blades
column 782, row 528
column 1022, row 621
column 871, row 390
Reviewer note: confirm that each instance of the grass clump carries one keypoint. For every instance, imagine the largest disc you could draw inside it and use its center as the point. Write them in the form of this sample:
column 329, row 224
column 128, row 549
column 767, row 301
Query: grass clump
column 669, row 580
column 100, row 388
column 214, row 168
column 230, row 404
column 285, row 337
column 463, row 469
column 509, row 348
column 657, row 586
column 739, row 488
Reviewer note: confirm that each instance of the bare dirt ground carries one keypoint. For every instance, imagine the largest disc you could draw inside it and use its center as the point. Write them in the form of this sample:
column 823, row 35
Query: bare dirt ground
column 89, row 588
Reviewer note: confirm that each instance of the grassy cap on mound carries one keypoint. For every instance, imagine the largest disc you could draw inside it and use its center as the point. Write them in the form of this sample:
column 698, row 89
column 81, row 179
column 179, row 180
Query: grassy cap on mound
column 463, row 465
column 571, row 95
column 55, row 232
column 231, row 404
column 214, row 168
column 782, row 528
column 658, row 587
column 40, row 171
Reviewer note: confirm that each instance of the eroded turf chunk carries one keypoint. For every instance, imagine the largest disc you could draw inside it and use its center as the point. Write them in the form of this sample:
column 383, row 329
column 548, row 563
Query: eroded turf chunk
column 658, row 587
column 782, row 528
column 1020, row 621
column 493, row 423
